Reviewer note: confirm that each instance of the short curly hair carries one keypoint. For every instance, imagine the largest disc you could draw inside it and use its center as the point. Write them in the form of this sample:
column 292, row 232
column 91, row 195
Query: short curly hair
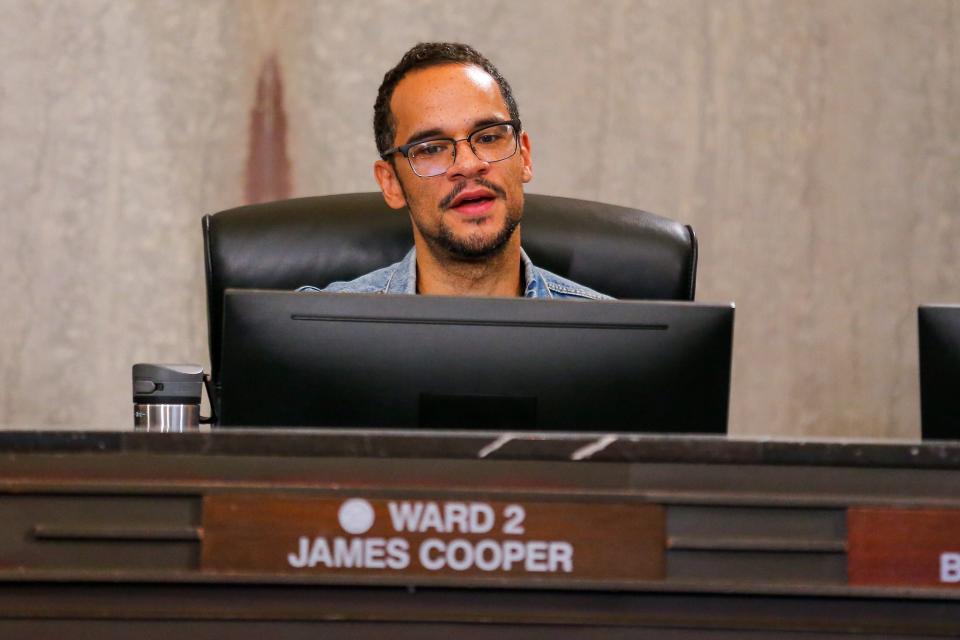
column 421, row 56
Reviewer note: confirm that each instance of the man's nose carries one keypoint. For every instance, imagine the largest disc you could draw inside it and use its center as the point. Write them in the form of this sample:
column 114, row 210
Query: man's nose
column 466, row 162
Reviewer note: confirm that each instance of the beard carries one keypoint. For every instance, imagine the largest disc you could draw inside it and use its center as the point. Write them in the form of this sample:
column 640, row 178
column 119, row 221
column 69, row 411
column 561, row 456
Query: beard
column 477, row 245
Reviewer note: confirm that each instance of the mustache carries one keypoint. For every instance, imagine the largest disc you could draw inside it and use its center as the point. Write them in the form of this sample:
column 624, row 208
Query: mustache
column 460, row 186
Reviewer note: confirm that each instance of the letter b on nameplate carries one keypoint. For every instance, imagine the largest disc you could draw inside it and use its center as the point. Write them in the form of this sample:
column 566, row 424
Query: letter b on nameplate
column 903, row 547
column 425, row 539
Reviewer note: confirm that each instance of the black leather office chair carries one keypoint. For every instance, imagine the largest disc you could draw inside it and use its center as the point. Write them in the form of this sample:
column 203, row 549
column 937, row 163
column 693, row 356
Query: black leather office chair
column 623, row 252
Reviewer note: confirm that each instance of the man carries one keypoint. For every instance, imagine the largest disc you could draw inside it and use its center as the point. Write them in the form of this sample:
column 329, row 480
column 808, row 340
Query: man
column 454, row 154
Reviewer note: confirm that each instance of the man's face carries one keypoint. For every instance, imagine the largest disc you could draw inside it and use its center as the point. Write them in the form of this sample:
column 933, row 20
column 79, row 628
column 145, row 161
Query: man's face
column 470, row 211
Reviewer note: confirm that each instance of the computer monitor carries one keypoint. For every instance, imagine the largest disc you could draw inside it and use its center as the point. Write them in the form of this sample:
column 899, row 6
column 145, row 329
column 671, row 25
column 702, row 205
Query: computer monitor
column 939, row 337
column 372, row 360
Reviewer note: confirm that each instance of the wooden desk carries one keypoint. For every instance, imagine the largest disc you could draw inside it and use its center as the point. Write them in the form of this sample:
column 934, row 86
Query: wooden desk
column 207, row 534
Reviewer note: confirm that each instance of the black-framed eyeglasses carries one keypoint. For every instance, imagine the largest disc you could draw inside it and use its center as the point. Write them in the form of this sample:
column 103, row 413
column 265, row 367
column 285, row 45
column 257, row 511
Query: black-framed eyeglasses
column 490, row 143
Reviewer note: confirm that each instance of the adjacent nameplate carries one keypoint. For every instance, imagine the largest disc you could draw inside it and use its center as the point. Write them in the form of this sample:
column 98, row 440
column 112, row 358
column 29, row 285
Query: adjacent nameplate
column 903, row 547
column 423, row 539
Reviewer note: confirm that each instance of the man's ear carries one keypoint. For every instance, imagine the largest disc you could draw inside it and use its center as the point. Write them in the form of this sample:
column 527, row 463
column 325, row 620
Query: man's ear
column 526, row 157
column 389, row 183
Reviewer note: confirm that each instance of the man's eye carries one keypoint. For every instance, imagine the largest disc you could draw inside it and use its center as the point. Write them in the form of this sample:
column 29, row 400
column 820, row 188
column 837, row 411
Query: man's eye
column 488, row 138
column 431, row 149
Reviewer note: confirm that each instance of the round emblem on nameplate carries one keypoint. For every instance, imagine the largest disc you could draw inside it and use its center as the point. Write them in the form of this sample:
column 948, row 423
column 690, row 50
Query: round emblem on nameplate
column 356, row 516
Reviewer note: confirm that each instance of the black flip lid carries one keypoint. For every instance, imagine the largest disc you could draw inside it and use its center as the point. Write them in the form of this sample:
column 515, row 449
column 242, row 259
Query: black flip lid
column 167, row 383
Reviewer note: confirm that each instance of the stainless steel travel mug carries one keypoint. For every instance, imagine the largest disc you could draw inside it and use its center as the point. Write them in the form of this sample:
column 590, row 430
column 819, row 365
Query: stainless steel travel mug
column 166, row 397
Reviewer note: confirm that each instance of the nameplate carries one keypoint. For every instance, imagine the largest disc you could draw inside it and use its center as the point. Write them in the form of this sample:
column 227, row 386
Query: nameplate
column 421, row 539
column 903, row 547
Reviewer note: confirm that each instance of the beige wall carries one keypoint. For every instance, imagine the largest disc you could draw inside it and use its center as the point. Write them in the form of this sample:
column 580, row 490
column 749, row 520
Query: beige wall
column 814, row 145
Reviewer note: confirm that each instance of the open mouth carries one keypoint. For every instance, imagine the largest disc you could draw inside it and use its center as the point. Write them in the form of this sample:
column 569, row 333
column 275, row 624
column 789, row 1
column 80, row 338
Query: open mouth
column 473, row 202
column 474, row 207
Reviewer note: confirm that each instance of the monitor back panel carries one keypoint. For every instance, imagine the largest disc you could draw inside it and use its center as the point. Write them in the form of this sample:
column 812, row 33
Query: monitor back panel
column 341, row 360
column 939, row 338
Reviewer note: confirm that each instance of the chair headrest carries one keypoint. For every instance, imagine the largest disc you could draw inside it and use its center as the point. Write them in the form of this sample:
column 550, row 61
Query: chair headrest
column 623, row 252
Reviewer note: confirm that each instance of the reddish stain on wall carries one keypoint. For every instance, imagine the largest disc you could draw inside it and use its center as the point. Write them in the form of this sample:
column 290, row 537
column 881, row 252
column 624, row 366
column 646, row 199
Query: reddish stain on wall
column 268, row 165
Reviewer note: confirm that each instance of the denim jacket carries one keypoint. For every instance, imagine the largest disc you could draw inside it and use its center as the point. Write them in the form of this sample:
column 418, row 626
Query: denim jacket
column 401, row 277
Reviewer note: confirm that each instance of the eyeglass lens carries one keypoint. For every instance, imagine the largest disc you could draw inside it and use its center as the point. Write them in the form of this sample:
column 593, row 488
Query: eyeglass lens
column 491, row 144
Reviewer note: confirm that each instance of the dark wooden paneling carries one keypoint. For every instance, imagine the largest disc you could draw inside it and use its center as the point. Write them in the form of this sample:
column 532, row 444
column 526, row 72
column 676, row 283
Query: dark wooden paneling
column 99, row 532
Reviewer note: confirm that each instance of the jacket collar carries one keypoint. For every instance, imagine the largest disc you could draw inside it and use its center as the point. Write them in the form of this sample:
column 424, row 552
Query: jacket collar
column 404, row 277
